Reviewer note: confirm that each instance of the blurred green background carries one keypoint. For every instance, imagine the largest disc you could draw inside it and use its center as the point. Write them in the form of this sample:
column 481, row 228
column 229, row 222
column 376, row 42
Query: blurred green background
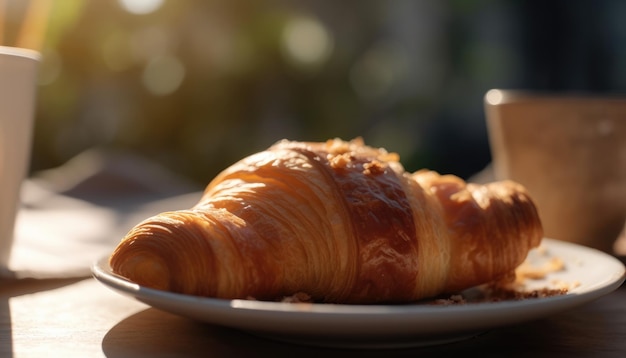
column 197, row 84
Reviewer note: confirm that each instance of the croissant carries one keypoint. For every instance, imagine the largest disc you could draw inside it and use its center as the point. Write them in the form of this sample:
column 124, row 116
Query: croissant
column 338, row 220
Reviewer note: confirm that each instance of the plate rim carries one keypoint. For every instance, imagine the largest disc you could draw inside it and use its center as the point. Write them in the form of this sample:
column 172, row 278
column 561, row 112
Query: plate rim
column 399, row 320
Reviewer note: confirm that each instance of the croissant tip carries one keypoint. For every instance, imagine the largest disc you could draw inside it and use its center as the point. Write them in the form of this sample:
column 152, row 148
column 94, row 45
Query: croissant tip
column 145, row 270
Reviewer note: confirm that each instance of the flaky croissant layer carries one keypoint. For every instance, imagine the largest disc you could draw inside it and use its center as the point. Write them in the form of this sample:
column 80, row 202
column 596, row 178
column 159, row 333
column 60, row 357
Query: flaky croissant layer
column 340, row 221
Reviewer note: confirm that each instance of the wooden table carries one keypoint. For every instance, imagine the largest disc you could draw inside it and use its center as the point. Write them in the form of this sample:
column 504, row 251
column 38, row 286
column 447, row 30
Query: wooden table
column 82, row 318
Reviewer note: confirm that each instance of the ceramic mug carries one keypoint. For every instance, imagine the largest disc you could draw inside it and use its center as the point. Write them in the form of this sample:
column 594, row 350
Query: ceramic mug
column 18, row 83
column 569, row 151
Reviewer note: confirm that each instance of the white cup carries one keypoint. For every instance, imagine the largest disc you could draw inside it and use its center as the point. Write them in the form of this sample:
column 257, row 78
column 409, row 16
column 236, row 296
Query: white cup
column 18, row 84
column 570, row 153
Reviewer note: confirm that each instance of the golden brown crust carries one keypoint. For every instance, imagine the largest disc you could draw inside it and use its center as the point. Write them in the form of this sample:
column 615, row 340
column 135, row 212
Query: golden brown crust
column 500, row 216
column 339, row 221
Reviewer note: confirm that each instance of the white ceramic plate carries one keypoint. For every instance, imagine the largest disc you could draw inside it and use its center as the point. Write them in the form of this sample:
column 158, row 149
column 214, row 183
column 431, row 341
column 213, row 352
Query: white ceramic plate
column 589, row 273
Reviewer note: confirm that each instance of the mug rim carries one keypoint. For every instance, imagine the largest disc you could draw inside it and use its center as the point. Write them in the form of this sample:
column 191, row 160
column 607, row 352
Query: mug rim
column 20, row 52
column 497, row 96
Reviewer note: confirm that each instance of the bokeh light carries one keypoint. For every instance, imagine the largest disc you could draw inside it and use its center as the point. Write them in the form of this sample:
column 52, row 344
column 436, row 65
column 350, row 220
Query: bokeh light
column 141, row 7
column 163, row 75
column 307, row 42
column 378, row 70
